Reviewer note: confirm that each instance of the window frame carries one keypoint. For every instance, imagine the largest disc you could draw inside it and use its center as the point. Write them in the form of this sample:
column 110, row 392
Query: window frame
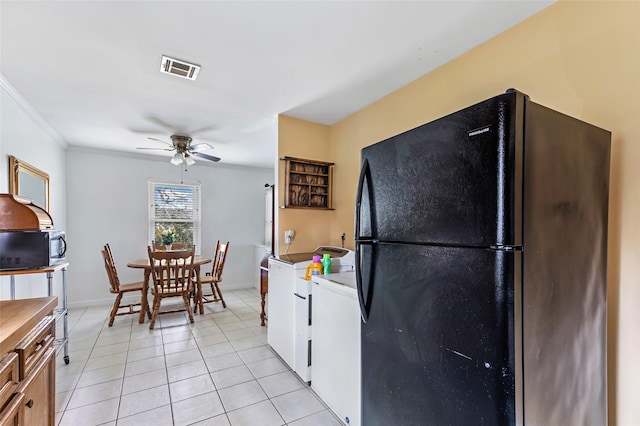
column 196, row 221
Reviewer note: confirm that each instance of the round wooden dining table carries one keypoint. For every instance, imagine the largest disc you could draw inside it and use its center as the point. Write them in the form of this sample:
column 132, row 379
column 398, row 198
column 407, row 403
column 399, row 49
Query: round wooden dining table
column 198, row 261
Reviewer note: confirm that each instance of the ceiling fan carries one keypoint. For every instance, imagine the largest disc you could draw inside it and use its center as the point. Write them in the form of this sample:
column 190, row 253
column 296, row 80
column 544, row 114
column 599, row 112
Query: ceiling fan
column 185, row 152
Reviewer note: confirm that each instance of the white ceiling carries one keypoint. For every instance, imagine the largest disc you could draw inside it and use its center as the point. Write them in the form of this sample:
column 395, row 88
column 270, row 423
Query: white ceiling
column 91, row 68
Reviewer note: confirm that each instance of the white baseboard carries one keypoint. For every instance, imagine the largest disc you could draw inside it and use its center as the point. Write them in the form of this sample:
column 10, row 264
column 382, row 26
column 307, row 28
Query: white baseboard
column 132, row 299
column 232, row 287
column 101, row 302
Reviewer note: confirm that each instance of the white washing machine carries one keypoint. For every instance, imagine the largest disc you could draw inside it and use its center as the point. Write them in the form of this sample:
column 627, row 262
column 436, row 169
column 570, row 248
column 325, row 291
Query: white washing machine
column 289, row 329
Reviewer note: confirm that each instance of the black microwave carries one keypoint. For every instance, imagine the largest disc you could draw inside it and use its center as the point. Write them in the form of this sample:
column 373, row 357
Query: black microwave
column 31, row 249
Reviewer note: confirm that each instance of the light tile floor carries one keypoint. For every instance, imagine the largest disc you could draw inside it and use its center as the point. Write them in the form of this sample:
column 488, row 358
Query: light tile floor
column 218, row 371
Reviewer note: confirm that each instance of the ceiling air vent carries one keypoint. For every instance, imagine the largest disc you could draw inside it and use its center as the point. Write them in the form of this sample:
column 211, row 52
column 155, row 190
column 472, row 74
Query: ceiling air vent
column 179, row 68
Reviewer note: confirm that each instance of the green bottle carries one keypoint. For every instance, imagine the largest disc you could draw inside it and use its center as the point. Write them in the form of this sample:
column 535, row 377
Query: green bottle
column 326, row 263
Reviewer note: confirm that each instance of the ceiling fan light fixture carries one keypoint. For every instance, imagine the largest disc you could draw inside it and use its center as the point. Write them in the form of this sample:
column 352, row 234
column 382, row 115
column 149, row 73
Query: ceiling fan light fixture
column 177, row 159
column 184, row 152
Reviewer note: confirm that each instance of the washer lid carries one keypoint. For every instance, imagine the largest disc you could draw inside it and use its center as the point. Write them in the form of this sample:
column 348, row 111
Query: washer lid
column 294, row 258
column 335, row 252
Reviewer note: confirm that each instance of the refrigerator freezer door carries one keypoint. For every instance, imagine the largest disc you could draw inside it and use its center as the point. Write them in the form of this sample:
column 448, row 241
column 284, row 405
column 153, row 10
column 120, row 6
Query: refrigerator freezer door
column 451, row 181
column 438, row 347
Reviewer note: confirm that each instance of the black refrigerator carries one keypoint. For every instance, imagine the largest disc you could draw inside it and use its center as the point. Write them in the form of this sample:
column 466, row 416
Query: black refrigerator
column 481, row 247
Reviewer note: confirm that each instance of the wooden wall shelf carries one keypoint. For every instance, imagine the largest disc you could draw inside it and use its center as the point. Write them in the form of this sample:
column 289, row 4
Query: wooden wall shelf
column 307, row 184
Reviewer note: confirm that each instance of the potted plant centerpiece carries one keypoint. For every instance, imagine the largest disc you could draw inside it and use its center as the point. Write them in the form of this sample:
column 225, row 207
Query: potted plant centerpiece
column 167, row 237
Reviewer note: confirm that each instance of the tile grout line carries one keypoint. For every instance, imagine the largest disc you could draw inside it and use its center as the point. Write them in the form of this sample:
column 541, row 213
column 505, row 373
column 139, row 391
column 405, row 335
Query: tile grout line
column 255, row 333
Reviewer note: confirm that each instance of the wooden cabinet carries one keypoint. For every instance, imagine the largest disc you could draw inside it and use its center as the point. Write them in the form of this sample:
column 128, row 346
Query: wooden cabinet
column 11, row 410
column 264, row 285
column 60, row 313
column 27, row 363
column 13, row 413
column 307, row 183
column 34, row 346
column 39, row 391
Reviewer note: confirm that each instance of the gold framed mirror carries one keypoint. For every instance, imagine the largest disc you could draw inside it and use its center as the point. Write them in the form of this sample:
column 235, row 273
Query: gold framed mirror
column 29, row 182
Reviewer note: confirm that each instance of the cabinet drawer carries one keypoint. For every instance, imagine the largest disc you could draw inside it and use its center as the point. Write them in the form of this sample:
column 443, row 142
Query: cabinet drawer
column 8, row 378
column 31, row 349
column 13, row 413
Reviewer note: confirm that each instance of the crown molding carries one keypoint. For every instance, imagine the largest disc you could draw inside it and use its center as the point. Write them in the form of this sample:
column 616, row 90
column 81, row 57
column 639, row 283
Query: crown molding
column 9, row 92
column 160, row 158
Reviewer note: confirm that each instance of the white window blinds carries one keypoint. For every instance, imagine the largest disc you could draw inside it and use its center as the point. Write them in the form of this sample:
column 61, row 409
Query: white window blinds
column 175, row 207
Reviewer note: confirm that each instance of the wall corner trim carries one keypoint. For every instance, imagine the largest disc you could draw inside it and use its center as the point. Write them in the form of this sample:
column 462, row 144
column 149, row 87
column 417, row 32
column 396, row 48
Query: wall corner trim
column 12, row 94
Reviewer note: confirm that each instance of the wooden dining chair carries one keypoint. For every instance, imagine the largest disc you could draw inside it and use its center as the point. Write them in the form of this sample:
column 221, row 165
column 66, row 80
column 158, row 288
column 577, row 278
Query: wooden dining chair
column 120, row 289
column 215, row 277
column 171, row 272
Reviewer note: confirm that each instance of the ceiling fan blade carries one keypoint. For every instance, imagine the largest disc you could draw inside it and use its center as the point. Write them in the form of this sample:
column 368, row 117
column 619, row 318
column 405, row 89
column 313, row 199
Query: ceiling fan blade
column 199, row 145
column 157, row 149
column 202, row 130
column 205, row 156
column 161, row 123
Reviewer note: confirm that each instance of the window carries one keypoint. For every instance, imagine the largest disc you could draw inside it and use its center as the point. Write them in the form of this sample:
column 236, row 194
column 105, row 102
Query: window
column 175, row 206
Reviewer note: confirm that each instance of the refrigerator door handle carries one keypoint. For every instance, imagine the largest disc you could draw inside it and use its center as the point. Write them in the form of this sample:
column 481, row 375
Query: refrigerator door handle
column 364, row 314
column 364, row 173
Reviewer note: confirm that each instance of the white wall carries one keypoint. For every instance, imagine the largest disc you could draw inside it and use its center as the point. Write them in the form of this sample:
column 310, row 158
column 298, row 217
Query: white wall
column 101, row 196
column 25, row 135
column 107, row 202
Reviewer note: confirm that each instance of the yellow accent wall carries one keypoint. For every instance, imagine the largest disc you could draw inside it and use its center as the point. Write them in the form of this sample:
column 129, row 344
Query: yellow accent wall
column 301, row 139
column 578, row 57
